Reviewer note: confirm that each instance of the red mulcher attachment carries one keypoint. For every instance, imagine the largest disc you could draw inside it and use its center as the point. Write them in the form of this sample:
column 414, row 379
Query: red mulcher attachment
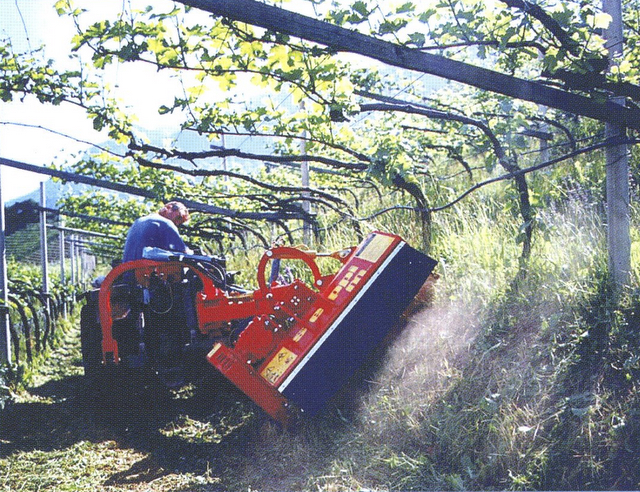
column 292, row 343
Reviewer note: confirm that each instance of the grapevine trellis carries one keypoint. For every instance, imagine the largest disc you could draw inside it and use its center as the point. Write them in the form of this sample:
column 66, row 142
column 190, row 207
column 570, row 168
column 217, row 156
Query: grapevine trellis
column 337, row 38
column 34, row 314
column 34, row 317
column 32, row 309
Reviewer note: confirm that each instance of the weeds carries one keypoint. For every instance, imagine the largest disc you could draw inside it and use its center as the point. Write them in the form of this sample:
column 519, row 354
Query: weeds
column 597, row 431
column 502, row 384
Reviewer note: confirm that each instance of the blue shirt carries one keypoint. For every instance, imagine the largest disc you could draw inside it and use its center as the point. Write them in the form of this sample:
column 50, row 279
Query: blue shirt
column 155, row 231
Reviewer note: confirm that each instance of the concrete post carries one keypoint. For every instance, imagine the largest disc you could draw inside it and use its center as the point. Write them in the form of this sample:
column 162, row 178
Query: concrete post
column 63, row 276
column 44, row 255
column 304, row 178
column 617, row 163
column 72, row 257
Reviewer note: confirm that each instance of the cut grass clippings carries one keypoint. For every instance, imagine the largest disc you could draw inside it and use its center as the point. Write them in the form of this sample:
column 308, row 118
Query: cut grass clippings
column 51, row 439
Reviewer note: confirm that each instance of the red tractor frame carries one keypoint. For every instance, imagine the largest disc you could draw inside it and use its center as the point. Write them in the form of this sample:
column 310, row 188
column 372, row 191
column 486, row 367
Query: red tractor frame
column 287, row 345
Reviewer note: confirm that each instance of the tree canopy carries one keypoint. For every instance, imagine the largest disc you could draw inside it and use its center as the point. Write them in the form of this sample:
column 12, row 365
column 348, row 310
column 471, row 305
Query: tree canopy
column 251, row 104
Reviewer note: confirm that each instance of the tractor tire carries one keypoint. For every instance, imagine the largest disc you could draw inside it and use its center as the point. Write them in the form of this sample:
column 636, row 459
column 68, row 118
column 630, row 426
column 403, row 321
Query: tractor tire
column 115, row 394
column 91, row 340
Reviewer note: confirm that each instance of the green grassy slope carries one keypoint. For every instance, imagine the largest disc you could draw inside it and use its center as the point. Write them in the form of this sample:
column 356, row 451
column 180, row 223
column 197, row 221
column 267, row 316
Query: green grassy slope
column 500, row 384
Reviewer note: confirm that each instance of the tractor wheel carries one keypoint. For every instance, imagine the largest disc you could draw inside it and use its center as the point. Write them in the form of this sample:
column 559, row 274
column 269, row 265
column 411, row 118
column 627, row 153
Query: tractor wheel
column 91, row 340
column 115, row 394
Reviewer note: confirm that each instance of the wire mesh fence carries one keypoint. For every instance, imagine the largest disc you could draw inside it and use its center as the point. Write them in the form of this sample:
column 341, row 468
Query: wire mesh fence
column 45, row 282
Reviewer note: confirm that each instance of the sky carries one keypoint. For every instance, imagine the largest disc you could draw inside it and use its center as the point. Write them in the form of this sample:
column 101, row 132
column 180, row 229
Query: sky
column 31, row 24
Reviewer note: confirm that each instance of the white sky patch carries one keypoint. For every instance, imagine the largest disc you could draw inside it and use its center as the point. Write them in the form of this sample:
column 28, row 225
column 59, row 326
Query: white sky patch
column 31, row 24
column 34, row 24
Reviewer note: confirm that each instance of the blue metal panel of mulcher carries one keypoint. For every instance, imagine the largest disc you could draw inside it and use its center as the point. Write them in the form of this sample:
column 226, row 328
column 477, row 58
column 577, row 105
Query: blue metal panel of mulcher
column 360, row 329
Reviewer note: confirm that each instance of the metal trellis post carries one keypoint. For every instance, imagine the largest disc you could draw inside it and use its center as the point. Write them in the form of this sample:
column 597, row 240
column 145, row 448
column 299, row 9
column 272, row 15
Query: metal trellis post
column 5, row 333
column 44, row 256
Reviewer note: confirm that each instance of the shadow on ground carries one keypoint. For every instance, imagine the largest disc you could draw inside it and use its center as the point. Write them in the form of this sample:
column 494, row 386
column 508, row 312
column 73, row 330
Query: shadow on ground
column 209, row 430
column 197, row 430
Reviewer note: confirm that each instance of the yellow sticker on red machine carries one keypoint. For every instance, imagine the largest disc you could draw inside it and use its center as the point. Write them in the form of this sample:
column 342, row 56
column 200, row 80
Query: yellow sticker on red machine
column 316, row 315
column 299, row 335
column 215, row 348
column 334, row 293
column 278, row 365
column 375, row 248
column 356, row 280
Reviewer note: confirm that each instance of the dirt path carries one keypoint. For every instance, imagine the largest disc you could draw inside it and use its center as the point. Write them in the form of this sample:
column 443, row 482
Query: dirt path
column 53, row 438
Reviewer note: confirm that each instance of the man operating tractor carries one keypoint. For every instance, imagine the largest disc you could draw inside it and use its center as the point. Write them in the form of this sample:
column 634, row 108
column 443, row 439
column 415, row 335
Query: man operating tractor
column 159, row 230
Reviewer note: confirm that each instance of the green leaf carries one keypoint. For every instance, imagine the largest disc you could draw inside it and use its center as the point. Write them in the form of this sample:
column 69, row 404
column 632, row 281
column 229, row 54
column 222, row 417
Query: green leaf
column 417, row 38
column 5, row 95
column 98, row 123
column 426, row 15
column 406, row 8
column 361, row 8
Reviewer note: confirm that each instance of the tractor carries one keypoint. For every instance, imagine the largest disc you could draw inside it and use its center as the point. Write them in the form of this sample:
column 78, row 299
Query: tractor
column 289, row 345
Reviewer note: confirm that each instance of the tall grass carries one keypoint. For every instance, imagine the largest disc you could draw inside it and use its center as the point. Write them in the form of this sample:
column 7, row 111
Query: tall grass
column 473, row 394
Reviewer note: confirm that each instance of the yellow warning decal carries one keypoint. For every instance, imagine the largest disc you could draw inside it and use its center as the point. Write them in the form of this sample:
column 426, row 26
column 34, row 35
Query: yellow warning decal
column 334, row 293
column 356, row 280
column 299, row 335
column 347, row 276
column 316, row 315
column 278, row 365
column 215, row 348
column 376, row 247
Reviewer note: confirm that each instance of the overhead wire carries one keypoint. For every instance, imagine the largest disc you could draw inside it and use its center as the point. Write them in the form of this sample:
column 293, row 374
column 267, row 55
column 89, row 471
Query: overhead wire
column 24, row 25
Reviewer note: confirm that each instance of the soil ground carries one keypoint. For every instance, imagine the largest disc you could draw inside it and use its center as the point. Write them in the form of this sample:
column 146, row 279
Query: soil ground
column 57, row 435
